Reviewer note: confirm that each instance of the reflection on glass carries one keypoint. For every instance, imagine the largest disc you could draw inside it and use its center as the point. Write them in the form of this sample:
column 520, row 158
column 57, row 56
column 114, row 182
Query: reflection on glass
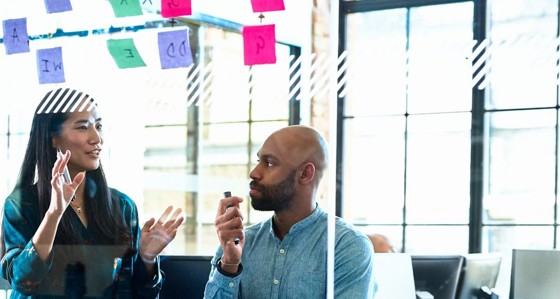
column 437, row 239
column 504, row 239
column 374, row 170
column 521, row 167
column 439, row 71
column 523, row 53
column 376, row 63
column 438, row 168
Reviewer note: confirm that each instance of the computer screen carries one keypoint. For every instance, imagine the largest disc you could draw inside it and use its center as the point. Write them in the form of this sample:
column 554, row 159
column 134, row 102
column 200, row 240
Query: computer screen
column 481, row 270
column 437, row 274
column 535, row 274
column 393, row 274
column 185, row 276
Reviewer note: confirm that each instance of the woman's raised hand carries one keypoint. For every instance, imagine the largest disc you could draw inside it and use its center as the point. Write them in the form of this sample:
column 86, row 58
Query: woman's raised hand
column 156, row 235
column 62, row 192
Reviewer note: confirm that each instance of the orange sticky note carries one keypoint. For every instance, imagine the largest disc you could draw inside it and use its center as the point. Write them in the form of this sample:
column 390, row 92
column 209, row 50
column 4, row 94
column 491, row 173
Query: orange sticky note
column 175, row 8
column 259, row 44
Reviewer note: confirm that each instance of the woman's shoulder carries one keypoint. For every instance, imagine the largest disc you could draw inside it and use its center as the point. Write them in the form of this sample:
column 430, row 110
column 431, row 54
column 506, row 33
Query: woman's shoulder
column 122, row 198
column 22, row 195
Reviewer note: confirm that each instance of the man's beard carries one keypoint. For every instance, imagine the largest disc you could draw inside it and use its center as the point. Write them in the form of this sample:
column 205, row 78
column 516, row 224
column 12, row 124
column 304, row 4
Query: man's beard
column 275, row 197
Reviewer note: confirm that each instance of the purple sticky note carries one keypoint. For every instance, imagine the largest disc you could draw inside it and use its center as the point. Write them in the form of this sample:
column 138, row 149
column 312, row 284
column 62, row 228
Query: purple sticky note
column 175, row 8
column 15, row 37
column 54, row 6
column 259, row 44
column 49, row 65
column 267, row 5
column 174, row 49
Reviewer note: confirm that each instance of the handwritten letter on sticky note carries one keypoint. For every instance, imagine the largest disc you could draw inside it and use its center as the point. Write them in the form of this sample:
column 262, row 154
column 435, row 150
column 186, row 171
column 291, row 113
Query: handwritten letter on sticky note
column 174, row 49
column 267, row 5
column 54, row 6
column 126, row 8
column 124, row 53
column 15, row 35
column 259, row 44
column 175, row 8
column 49, row 65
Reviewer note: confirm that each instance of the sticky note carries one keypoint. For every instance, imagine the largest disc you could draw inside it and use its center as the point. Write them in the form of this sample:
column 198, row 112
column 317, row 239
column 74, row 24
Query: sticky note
column 54, row 6
column 126, row 8
column 124, row 53
column 259, row 44
column 175, row 8
column 267, row 5
column 49, row 65
column 174, row 49
column 15, row 36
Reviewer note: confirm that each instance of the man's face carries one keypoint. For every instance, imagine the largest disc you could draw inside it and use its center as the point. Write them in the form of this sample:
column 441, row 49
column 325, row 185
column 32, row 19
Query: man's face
column 273, row 197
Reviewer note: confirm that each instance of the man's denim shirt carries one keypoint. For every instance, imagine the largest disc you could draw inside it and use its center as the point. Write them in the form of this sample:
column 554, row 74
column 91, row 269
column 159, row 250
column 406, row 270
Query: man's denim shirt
column 297, row 266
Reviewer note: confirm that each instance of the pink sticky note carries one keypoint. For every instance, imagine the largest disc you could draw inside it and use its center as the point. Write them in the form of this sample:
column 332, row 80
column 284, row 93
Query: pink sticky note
column 175, row 8
column 259, row 44
column 267, row 5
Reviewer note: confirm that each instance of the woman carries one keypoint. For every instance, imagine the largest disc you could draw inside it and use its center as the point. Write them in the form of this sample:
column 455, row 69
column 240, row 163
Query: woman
column 77, row 237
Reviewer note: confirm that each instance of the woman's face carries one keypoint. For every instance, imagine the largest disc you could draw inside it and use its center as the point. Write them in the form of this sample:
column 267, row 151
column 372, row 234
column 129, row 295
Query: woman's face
column 82, row 135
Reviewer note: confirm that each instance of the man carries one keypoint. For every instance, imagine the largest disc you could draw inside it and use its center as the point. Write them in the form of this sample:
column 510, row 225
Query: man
column 286, row 256
column 381, row 243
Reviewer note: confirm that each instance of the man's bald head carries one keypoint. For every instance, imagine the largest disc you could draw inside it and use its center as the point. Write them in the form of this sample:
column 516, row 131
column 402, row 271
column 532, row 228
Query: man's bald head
column 302, row 144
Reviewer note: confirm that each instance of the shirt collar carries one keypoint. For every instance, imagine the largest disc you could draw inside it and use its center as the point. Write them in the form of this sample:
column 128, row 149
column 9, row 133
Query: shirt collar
column 302, row 224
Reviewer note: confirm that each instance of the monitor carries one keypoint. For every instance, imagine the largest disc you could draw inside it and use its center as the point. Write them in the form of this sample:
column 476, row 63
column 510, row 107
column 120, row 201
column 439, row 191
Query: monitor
column 185, row 276
column 393, row 274
column 437, row 274
column 479, row 275
column 535, row 274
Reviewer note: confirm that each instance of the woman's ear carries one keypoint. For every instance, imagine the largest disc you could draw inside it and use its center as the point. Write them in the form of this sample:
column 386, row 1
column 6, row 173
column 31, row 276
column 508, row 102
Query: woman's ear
column 54, row 143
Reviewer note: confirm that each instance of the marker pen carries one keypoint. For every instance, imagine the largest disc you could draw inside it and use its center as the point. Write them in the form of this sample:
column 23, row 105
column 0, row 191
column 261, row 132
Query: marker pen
column 65, row 173
column 226, row 195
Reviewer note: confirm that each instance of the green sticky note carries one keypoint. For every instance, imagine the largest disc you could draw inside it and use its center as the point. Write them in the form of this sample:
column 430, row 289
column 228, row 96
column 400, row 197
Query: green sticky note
column 126, row 8
column 125, row 53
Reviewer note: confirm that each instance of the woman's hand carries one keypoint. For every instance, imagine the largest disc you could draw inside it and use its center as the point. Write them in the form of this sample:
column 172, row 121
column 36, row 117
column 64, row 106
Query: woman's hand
column 62, row 192
column 156, row 235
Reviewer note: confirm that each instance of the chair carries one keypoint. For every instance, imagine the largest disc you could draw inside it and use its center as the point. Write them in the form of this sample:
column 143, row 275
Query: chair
column 185, row 276
column 437, row 274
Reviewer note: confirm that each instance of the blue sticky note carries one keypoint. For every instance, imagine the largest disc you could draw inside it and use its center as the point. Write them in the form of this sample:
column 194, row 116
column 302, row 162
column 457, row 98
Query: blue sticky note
column 49, row 65
column 15, row 37
column 54, row 6
column 174, row 49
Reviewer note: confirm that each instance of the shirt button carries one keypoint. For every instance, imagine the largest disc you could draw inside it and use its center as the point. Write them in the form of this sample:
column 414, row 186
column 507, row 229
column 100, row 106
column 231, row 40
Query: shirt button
column 282, row 251
column 231, row 284
column 276, row 281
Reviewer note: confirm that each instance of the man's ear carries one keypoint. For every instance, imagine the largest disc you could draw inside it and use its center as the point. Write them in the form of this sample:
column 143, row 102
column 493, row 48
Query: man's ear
column 307, row 173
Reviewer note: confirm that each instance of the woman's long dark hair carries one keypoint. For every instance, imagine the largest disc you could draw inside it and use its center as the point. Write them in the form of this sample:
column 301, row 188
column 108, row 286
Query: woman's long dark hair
column 102, row 208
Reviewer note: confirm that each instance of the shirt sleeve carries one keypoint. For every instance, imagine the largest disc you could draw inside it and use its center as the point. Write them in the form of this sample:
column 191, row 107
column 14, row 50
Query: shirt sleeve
column 354, row 268
column 21, row 266
column 220, row 285
column 143, row 285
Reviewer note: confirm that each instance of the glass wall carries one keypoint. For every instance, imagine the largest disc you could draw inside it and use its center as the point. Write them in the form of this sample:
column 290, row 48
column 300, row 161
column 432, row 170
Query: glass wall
column 424, row 86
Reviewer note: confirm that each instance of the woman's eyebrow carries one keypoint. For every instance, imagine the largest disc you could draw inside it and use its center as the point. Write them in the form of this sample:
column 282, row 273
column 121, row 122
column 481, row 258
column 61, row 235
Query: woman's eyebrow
column 86, row 121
